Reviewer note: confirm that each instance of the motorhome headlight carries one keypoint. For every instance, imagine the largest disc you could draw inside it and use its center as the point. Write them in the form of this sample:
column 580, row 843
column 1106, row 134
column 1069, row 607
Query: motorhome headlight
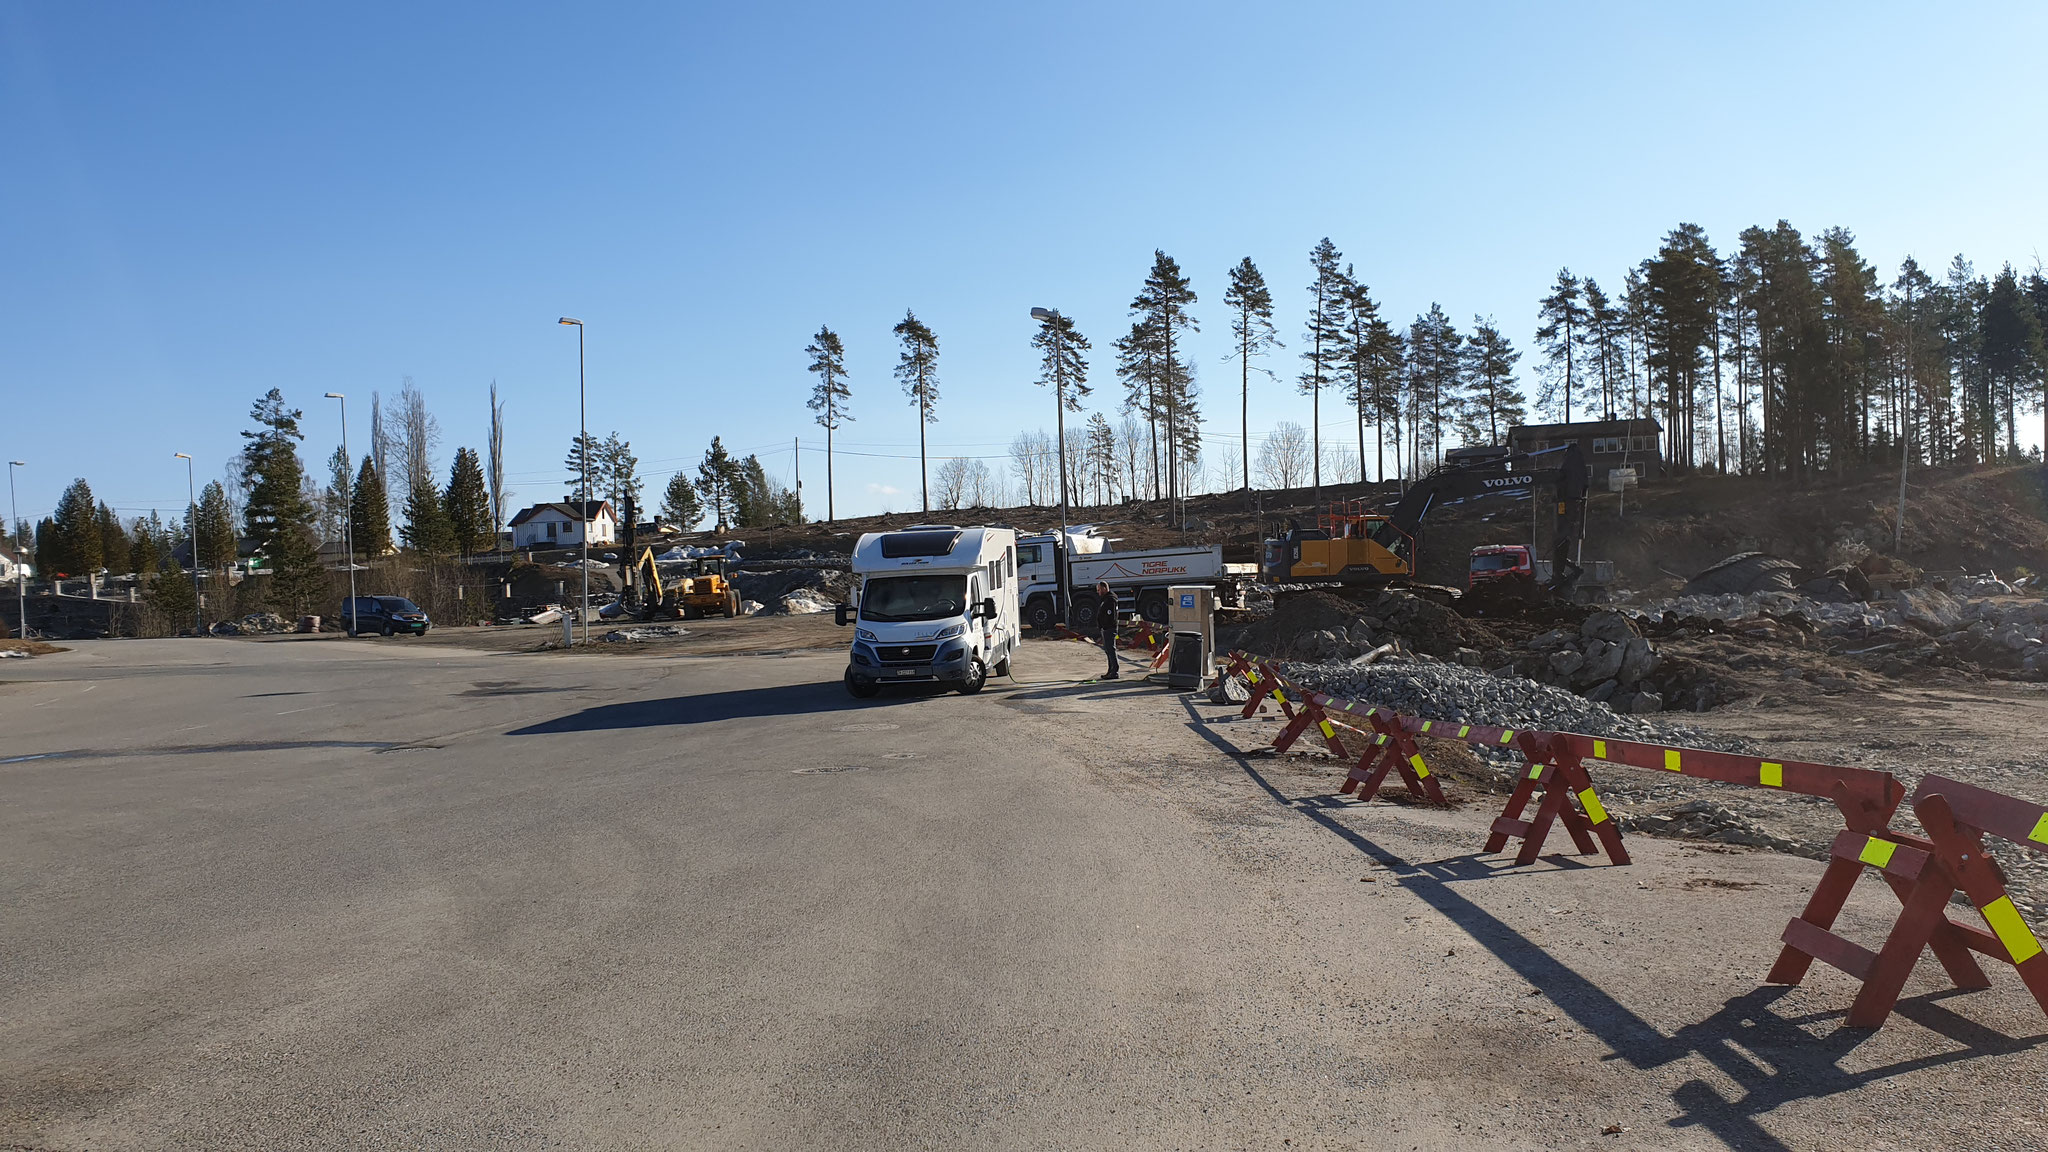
column 951, row 631
column 864, row 634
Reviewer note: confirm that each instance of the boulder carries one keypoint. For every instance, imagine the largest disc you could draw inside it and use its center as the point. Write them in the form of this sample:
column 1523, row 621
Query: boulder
column 1931, row 610
column 1564, row 662
column 1610, row 626
column 1603, row 662
column 1638, row 660
column 1603, row 692
column 1553, row 639
column 1645, row 702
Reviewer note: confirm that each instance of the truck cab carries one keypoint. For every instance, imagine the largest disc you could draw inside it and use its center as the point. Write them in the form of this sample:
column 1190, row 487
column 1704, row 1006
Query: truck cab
column 932, row 604
column 1500, row 564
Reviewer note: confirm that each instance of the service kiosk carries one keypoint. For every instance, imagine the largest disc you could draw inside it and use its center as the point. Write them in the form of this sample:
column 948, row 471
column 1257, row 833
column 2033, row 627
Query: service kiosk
column 1191, row 622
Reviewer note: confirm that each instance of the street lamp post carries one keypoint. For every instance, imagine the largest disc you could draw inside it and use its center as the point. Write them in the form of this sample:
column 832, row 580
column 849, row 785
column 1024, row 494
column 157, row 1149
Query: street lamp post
column 583, row 465
column 348, row 511
column 21, row 557
column 1059, row 393
column 192, row 519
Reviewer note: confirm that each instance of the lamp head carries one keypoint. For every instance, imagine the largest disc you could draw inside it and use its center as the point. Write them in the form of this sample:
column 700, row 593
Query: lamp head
column 570, row 320
column 1042, row 313
column 18, row 463
column 180, row 456
column 336, row 396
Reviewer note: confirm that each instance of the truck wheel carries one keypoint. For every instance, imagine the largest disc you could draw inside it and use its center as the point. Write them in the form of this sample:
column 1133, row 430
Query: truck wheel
column 1152, row 606
column 860, row 687
column 977, row 677
column 1083, row 616
column 1038, row 614
column 732, row 605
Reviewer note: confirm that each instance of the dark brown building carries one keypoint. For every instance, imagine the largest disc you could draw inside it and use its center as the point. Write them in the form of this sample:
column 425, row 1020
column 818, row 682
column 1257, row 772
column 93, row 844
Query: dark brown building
column 1606, row 444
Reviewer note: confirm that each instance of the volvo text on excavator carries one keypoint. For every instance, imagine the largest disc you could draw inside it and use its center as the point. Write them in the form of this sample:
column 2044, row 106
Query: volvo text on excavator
column 1351, row 548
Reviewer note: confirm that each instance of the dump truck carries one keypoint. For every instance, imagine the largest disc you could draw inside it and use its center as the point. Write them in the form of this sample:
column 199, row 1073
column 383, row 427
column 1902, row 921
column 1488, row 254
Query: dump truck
column 1139, row 579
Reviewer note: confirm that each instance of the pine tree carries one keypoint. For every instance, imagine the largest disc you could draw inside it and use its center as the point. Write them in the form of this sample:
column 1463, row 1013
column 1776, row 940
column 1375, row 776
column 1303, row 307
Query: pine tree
column 718, row 480
column 1325, row 339
column 829, row 397
column 77, row 536
column 114, row 543
column 1062, row 368
column 1682, row 285
column 1102, row 458
column 679, row 503
column 1251, row 325
column 1162, row 307
column 218, row 542
column 49, row 549
column 426, row 529
column 1605, row 335
column 1138, row 364
column 496, row 473
column 334, row 501
column 1493, row 403
column 1360, row 356
column 918, row 369
column 277, row 512
column 618, row 472
column 1562, row 334
column 468, row 504
column 1436, row 371
column 585, row 464
column 170, row 595
column 2012, row 350
column 370, row 512
column 146, row 553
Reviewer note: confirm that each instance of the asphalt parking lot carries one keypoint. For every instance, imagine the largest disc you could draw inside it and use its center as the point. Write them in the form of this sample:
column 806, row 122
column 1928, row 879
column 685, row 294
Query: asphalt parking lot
column 314, row 894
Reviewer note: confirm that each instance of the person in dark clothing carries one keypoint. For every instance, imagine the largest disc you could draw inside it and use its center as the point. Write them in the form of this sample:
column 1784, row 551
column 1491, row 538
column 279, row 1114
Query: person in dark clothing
column 1105, row 624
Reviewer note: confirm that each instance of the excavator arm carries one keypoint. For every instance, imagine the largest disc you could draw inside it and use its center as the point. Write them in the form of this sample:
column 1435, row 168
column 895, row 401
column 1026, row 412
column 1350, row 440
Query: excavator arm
column 1561, row 470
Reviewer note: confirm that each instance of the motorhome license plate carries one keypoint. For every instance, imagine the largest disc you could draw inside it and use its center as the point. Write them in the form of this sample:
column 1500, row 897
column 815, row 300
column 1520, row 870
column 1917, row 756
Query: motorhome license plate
column 906, row 671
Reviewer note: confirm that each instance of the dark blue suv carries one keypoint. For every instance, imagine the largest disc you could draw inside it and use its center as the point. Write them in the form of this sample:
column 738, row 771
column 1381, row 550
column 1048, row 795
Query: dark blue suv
column 383, row 615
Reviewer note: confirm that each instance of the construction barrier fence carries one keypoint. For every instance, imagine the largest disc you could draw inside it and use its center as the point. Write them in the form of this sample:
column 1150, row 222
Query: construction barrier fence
column 1923, row 872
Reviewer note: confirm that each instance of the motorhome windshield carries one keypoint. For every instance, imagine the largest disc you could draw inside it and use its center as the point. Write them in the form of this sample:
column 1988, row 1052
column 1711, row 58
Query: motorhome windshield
column 889, row 599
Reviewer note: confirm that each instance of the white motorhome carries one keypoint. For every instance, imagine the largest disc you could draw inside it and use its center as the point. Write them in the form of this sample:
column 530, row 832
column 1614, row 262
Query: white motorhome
column 933, row 604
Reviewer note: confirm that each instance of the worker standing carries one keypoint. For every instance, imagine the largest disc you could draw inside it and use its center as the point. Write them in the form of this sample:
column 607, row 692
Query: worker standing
column 1105, row 624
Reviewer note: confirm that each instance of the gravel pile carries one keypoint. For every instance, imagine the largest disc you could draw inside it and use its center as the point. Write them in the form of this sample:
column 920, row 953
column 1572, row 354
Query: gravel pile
column 1468, row 696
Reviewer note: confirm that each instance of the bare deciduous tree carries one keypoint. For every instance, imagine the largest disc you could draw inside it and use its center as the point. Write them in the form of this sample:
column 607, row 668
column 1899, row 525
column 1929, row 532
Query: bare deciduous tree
column 1283, row 460
column 496, row 475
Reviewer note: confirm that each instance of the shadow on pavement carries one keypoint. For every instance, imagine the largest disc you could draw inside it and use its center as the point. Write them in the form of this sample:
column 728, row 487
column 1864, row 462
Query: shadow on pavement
column 710, row 707
column 1772, row 1056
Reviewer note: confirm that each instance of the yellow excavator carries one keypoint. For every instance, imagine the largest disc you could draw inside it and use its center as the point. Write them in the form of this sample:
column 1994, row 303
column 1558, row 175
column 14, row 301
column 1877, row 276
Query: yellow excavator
column 1350, row 548
column 702, row 588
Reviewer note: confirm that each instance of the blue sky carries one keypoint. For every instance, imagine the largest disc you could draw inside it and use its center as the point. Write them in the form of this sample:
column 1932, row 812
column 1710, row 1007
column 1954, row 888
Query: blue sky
column 200, row 202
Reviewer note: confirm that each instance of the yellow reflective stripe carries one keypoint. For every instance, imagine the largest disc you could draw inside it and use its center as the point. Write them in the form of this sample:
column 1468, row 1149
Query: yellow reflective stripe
column 1279, row 695
column 1508, row 736
column 1426, row 724
column 1535, row 770
column 2040, row 831
column 1771, row 775
column 2012, row 931
column 1254, row 676
column 1599, row 749
column 1594, row 811
column 1421, row 769
column 1351, row 705
column 1877, row 853
column 1329, row 733
column 1671, row 760
column 1464, row 730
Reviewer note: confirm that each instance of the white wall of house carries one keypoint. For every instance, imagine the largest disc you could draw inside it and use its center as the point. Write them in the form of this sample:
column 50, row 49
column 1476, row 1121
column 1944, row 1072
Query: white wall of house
column 554, row 529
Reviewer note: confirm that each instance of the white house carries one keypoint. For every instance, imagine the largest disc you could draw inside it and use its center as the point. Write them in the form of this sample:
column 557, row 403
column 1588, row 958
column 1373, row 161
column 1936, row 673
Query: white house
column 12, row 564
column 560, row 525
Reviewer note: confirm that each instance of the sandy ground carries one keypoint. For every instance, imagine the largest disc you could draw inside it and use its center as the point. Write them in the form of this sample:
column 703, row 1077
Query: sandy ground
column 386, row 894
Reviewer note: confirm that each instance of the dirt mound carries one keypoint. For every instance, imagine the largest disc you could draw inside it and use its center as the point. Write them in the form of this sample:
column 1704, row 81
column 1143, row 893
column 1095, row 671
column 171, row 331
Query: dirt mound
column 1320, row 626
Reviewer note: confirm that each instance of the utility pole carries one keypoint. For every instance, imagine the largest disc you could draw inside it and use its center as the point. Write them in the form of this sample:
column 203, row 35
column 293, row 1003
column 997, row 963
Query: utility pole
column 348, row 512
column 583, row 466
column 1059, row 392
column 21, row 554
column 796, row 461
column 192, row 493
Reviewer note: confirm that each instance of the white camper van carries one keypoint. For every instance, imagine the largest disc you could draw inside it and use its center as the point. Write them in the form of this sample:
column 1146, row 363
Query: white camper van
column 933, row 604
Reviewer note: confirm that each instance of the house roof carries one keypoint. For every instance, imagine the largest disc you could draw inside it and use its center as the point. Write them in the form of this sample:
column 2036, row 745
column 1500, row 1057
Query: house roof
column 1587, row 427
column 577, row 510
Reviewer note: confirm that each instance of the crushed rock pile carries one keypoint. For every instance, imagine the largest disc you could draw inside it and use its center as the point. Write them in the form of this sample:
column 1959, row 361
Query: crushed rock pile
column 254, row 624
column 1915, row 627
column 1438, row 691
column 642, row 635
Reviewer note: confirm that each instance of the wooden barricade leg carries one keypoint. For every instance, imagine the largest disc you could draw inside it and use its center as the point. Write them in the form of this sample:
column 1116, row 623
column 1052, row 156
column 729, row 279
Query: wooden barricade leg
column 1960, row 863
column 1556, row 770
column 1813, row 927
column 1393, row 749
